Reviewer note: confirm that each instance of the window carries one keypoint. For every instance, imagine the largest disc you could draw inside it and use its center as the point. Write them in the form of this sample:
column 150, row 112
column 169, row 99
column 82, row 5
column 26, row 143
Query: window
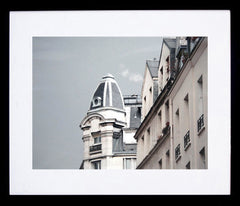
column 177, row 153
column 129, row 163
column 150, row 89
column 160, row 124
column 167, row 111
column 96, row 165
column 96, row 101
column 185, row 112
column 160, row 163
column 97, row 140
column 202, row 155
column 187, row 140
column 188, row 166
column 148, row 130
column 167, row 62
column 200, row 123
column 161, row 70
column 167, row 159
column 177, row 112
column 186, row 98
column 177, row 124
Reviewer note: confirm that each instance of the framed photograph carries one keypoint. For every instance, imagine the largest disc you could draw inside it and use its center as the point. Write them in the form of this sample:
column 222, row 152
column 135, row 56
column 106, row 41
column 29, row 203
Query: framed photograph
column 138, row 101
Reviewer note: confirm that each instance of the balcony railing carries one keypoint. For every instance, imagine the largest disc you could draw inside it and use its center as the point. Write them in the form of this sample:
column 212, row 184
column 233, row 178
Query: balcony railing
column 187, row 140
column 95, row 148
column 177, row 152
column 200, row 123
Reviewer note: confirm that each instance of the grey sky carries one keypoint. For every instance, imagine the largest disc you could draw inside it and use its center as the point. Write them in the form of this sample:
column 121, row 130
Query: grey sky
column 66, row 71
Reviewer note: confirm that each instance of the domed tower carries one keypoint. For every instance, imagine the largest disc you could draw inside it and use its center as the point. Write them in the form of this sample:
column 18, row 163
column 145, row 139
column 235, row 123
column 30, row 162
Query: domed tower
column 103, row 140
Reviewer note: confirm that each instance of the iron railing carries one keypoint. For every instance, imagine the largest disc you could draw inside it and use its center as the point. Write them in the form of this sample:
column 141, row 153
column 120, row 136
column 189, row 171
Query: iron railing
column 186, row 139
column 177, row 152
column 200, row 122
column 95, row 148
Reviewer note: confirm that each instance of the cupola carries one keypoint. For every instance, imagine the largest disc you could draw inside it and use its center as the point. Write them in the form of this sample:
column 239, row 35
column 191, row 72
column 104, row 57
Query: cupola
column 107, row 94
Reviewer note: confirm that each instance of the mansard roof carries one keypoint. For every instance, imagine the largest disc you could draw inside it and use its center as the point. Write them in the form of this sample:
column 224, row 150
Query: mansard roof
column 107, row 94
column 170, row 42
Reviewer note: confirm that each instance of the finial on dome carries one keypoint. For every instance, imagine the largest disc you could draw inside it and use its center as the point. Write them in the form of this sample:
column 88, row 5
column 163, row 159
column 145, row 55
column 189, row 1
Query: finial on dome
column 108, row 75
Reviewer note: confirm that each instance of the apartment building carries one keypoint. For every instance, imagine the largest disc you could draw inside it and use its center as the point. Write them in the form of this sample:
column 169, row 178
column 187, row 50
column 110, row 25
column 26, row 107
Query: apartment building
column 173, row 131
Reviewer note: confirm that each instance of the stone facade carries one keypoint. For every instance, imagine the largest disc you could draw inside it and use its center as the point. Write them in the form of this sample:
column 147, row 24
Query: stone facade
column 173, row 131
column 109, row 127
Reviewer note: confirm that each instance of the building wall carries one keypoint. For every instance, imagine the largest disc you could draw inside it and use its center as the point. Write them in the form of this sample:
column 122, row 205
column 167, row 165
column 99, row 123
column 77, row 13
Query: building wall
column 182, row 108
column 102, row 123
column 164, row 75
column 190, row 111
column 160, row 159
column 147, row 93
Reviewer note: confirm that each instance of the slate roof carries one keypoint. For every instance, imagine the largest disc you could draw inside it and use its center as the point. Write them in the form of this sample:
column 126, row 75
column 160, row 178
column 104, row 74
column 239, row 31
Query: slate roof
column 171, row 43
column 135, row 117
column 107, row 94
column 153, row 67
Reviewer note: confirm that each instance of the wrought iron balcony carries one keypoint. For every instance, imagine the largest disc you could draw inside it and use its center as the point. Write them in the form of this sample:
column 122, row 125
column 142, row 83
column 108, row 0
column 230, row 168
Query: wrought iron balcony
column 187, row 140
column 177, row 152
column 95, row 148
column 200, row 123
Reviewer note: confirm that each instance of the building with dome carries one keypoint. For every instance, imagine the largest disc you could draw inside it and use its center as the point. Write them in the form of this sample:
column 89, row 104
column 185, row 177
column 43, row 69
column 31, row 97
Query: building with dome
column 109, row 127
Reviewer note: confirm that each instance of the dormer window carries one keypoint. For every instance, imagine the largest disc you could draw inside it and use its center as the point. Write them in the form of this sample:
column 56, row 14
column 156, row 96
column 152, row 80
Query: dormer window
column 161, row 70
column 167, row 60
column 96, row 101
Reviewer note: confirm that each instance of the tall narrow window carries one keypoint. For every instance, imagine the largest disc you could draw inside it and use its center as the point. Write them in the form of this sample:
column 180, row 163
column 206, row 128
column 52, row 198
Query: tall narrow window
column 144, row 106
column 187, row 140
column 143, row 146
column 167, row 159
column 160, row 163
column 202, row 155
column 148, row 141
column 200, row 121
column 177, row 153
column 186, row 112
column 97, row 140
column 188, row 166
column 167, row 111
column 96, row 165
column 177, row 124
column 129, row 163
column 160, row 124
column 161, row 80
